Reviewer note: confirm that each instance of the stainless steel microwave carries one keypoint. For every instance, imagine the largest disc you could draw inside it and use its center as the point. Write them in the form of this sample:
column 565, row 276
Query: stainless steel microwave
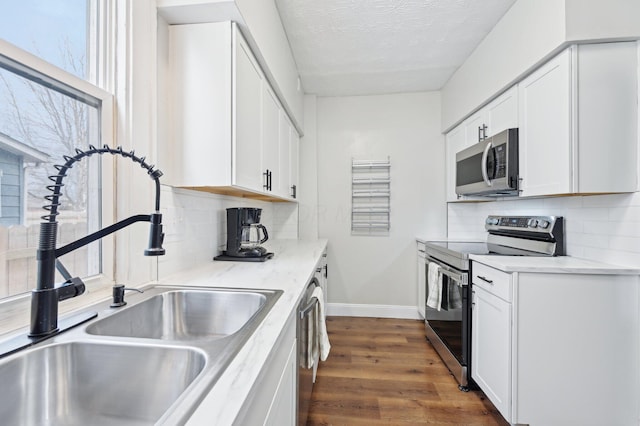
column 490, row 167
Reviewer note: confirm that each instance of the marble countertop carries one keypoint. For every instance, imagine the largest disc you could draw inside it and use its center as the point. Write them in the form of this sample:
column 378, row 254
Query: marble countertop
column 552, row 265
column 292, row 266
column 289, row 270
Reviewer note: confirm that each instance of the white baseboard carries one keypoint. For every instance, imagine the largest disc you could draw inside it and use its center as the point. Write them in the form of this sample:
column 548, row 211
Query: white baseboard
column 374, row 311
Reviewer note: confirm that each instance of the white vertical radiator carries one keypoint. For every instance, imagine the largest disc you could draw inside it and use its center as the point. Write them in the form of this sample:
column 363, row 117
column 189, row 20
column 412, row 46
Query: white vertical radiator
column 370, row 197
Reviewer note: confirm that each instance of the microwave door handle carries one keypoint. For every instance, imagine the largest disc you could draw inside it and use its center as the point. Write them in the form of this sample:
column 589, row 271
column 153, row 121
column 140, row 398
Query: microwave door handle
column 485, row 155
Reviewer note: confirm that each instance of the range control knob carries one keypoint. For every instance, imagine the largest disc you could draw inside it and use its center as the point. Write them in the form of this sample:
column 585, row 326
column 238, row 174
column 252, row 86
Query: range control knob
column 544, row 224
column 532, row 223
column 492, row 221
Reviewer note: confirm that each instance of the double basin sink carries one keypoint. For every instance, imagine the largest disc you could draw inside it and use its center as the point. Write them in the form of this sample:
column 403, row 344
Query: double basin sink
column 150, row 362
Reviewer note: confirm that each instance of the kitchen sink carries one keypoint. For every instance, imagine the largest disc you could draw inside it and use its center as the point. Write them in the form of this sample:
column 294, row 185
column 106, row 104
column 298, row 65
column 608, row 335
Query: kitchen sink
column 150, row 362
column 184, row 315
column 80, row 383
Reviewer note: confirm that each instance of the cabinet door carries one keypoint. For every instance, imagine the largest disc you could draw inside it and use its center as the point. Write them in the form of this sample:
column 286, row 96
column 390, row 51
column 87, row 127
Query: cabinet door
column 283, row 407
column 247, row 154
column 545, row 135
column 285, row 155
column 475, row 131
column 271, row 141
column 455, row 141
column 502, row 112
column 491, row 348
column 294, row 161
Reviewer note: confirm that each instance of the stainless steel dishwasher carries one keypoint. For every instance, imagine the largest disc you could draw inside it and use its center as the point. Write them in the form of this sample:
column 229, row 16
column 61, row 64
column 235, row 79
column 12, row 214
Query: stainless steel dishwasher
column 308, row 351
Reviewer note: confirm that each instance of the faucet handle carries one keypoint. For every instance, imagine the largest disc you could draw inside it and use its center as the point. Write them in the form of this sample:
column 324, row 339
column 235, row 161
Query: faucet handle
column 118, row 295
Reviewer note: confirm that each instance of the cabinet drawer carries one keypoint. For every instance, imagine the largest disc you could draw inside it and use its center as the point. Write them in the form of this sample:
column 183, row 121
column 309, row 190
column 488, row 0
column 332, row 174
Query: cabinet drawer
column 494, row 281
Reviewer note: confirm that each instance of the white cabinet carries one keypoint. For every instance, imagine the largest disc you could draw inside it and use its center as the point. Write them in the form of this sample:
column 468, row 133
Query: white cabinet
column 579, row 122
column 455, row 141
column 553, row 348
column 270, row 165
column 491, row 336
column 289, row 151
column 283, row 409
column 422, row 280
column 226, row 119
column 248, row 118
column 273, row 399
column 500, row 114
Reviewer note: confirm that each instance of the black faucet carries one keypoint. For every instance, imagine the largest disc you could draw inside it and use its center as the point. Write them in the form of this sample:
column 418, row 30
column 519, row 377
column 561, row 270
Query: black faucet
column 45, row 298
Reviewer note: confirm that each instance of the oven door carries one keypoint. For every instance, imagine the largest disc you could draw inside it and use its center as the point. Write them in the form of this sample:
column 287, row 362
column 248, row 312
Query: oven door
column 449, row 329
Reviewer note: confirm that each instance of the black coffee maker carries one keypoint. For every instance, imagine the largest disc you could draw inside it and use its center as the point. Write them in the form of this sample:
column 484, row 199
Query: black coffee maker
column 245, row 233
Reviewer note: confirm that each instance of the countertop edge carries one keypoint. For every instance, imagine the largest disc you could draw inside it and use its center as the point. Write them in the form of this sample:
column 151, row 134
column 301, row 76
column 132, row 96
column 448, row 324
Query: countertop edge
column 553, row 265
column 290, row 269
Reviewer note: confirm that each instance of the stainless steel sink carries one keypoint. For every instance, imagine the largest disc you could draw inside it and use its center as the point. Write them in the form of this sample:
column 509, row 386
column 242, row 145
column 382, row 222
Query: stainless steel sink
column 150, row 362
column 183, row 315
column 79, row 383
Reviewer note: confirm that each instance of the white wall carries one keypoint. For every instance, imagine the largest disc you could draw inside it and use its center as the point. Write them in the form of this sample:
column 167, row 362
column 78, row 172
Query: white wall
column 380, row 270
column 599, row 20
column 526, row 34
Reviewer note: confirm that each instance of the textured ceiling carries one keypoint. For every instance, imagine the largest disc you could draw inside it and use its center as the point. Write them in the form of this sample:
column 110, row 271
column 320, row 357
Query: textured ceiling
column 357, row 47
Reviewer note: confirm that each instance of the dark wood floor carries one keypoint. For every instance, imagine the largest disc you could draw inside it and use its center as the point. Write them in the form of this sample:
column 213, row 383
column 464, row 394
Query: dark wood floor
column 384, row 372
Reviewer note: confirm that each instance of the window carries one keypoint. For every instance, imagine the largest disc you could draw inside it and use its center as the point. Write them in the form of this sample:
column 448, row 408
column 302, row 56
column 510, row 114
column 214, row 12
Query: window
column 50, row 106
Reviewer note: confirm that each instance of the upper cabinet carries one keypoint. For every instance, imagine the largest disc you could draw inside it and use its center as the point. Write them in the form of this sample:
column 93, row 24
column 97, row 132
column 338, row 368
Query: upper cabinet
column 498, row 115
column 227, row 131
column 577, row 116
column 579, row 122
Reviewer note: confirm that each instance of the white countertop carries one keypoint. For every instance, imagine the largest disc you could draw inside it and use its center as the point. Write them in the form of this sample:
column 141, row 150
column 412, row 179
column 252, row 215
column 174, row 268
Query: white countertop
column 289, row 270
column 552, row 265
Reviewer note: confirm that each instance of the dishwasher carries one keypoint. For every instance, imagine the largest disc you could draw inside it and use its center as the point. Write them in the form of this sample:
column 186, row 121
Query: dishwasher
column 308, row 351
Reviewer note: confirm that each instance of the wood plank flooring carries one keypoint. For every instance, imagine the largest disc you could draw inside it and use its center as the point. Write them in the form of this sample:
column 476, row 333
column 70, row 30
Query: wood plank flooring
column 384, row 372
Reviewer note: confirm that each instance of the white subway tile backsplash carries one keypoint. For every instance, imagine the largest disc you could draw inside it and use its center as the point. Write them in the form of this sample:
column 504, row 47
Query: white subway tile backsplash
column 598, row 227
column 630, row 244
column 195, row 225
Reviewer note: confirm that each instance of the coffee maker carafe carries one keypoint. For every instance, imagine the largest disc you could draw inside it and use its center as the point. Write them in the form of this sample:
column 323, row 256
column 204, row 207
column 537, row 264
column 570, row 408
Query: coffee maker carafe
column 245, row 234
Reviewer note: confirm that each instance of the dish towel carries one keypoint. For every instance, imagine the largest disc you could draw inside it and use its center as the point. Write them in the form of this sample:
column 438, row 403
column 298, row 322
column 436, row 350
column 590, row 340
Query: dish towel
column 434, row 283
column 323, row 336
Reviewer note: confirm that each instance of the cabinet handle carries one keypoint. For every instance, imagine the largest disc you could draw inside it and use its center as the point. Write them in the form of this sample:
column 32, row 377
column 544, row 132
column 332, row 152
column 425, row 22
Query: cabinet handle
column 479, row 134
column 293, row 191
column 266, row 179
column 486, row 280
column 484, row 131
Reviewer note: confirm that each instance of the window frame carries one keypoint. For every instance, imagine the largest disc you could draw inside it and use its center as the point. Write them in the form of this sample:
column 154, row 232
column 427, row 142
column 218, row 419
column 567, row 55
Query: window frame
column 26, row 64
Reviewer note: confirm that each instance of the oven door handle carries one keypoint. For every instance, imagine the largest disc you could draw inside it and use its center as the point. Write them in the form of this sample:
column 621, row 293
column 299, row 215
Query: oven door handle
column 458, row 278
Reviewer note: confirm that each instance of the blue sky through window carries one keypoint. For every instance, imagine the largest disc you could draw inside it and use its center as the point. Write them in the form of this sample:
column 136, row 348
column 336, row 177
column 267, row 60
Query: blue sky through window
column 45, row 28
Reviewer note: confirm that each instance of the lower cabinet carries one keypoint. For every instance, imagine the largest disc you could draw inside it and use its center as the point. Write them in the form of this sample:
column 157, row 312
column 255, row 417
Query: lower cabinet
column 283, row 406
column 273, row 398
column 491, row 348
column 551, row 348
